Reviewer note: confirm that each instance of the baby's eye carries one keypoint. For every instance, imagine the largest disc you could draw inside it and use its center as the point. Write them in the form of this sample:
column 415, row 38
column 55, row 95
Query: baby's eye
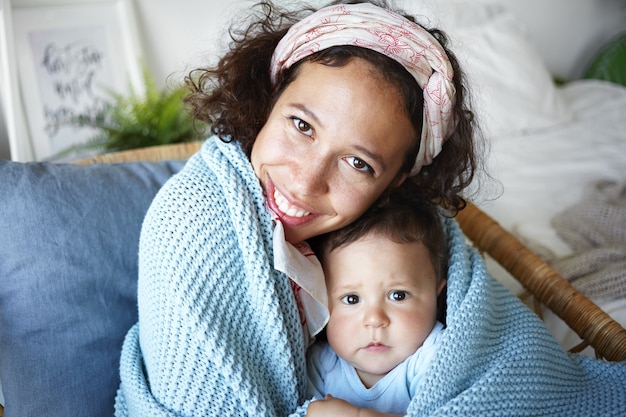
column 350, row 299
column 359, row 164
column 398, row 295
column 302, row 126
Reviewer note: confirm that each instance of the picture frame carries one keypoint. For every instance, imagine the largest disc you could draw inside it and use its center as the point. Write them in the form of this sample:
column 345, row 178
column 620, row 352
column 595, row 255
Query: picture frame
column 9, row 87
column 62, row 59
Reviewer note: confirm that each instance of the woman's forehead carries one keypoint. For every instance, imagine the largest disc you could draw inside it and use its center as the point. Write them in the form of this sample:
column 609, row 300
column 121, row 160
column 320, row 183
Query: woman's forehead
column 353, row 103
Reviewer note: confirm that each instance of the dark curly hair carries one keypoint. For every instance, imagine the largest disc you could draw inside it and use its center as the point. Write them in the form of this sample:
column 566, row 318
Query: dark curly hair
column 236, row 97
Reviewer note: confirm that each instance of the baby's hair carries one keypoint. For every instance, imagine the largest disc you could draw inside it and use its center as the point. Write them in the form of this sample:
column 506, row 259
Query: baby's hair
column 401, row 218
column 236, row 97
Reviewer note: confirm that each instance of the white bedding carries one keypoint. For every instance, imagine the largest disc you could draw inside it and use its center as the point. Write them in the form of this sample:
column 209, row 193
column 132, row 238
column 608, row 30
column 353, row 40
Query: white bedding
column 548, row 144
column 546, row 171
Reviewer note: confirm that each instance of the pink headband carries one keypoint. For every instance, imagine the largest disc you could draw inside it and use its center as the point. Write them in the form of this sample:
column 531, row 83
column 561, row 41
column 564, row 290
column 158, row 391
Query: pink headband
column 390, row 34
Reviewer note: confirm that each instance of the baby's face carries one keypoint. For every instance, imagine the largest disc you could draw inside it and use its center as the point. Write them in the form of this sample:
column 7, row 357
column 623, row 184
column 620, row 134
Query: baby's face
column 383, row 303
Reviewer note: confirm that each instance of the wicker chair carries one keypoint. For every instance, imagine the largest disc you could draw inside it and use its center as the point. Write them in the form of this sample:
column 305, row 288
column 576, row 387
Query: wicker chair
column 596, row 328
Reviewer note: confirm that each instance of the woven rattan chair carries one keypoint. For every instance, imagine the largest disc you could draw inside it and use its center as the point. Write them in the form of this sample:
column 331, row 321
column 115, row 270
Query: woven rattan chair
column 596, row 328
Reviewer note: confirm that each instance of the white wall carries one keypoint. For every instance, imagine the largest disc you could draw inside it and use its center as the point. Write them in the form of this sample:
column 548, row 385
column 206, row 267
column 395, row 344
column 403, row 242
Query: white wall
column 178, row 35
column 175, row 34
column 567, row 33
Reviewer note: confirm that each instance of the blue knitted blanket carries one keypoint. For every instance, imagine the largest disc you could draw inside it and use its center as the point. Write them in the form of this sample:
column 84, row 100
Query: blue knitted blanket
column 496, row 357
column 219, row 332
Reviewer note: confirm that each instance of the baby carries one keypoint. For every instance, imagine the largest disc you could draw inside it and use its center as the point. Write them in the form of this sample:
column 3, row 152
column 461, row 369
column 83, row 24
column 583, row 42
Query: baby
column 384, row 274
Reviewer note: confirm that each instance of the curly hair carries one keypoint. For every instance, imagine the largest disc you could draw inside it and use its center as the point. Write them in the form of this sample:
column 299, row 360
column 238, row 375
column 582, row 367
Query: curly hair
column 236, row 96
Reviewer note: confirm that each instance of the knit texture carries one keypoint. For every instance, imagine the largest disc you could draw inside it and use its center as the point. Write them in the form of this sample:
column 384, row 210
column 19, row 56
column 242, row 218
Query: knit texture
column 496, row 358
column 595, row 228
column 219, row 331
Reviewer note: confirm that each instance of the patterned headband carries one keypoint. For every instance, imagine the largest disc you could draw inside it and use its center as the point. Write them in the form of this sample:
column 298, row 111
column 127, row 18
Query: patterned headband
column 390, row 34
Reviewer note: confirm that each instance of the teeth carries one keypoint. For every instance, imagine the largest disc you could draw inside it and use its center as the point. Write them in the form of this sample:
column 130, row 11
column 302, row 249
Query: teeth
column 285, row 207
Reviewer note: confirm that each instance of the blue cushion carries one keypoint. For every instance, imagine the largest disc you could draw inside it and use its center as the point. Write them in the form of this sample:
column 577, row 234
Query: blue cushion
column 68, row 280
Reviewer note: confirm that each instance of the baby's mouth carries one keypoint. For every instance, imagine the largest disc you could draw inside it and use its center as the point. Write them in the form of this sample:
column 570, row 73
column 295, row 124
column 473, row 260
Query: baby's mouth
column 376, row 347
column 290, row 210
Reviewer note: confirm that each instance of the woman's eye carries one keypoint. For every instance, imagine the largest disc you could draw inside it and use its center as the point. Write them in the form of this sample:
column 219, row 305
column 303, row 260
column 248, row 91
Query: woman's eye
column 302, row 126
column 398, row 295
column 359, row 164
column 350, row 299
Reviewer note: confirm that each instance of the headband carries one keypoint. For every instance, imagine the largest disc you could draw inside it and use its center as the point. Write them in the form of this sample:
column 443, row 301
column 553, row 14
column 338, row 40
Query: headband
column 390, row 34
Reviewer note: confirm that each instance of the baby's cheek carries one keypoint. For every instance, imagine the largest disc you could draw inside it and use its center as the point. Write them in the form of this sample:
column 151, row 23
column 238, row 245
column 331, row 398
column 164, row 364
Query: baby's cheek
column 336, row 331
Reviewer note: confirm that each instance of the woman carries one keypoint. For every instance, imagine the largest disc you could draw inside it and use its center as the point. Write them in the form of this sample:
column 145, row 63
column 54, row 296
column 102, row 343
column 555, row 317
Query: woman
column 314, row 121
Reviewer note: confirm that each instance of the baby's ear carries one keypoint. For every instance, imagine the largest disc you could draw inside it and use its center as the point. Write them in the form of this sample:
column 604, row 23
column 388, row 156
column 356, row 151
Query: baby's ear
column 441, row 285
column 398, row 182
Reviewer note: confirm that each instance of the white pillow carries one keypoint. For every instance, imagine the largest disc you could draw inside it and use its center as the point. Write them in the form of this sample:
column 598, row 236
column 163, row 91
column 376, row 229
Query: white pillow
column 511, row 87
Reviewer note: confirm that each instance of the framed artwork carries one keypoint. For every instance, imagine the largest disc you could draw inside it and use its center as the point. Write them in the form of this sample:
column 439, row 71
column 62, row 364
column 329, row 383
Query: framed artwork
column 67, row 57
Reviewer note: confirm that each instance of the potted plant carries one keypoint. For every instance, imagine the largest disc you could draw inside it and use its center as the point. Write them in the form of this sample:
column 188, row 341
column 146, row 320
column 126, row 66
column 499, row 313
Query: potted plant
column 154, row 117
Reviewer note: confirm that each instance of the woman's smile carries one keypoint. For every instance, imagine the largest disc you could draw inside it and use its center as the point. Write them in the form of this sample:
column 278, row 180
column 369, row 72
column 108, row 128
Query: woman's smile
column 286, row 208
column 289, row 212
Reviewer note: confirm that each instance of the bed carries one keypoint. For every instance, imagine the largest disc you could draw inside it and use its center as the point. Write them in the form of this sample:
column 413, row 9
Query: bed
column 549, row 147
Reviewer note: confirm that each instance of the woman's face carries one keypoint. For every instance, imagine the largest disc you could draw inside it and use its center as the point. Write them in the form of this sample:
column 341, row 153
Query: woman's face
column 334, row 141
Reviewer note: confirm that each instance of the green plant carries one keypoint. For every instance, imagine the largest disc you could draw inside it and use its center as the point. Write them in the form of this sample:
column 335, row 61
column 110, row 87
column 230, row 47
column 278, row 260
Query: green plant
column 155, row 117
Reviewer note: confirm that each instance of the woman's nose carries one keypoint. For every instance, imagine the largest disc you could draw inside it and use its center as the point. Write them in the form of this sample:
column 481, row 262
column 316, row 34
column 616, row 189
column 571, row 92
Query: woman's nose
column 312, row 177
